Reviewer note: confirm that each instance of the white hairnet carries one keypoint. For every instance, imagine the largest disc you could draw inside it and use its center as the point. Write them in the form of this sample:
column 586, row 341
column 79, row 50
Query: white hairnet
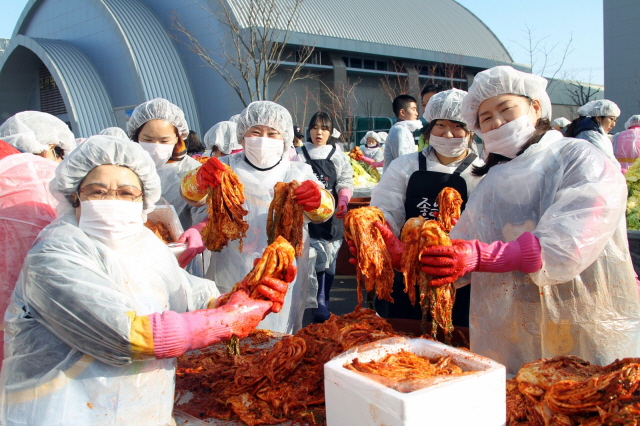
column 100, row 150
column 114, row 131
column 336, row 133
column 445, row 105
column 266, row 113
column 158, row 109
column 599, row 108
column 383, row 136
column 634, row 120
column 560, row 122
column 223, row 136
column 234, row 118
column 370, row 134
column 34, row 131
column 503, row 80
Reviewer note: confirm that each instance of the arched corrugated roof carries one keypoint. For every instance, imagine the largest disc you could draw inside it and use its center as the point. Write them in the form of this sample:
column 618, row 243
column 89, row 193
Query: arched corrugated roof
column 156, row 59
column 84, row 95
column 442, row 26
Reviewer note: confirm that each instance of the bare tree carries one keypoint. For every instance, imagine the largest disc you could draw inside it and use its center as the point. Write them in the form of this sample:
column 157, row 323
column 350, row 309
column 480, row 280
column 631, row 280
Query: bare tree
column 542, row 54
column 580, row 92
column 341, row 101
column 254, row 50
column 398, row 84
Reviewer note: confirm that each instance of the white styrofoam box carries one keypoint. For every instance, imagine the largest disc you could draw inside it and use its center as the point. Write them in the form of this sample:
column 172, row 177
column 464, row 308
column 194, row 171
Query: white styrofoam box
column 474, row 399
column 166, row 214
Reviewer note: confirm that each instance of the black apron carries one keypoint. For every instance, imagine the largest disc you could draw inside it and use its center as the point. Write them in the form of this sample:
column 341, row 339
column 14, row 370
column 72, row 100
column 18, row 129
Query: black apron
column 422, row 190
column 325, row 171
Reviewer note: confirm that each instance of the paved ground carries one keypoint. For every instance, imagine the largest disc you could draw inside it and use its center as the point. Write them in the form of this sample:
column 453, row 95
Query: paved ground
column 343, row 297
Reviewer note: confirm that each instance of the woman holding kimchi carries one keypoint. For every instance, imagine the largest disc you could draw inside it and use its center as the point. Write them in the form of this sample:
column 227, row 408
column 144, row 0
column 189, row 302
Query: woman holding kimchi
column 542, row 238
column 102, row 309
column 411, row 184
column 265, row 131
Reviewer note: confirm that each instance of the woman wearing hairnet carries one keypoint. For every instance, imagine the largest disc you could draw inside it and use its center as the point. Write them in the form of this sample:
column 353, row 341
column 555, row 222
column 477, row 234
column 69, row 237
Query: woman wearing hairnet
column 560, row 123
column 221, row 139
column 114, row 131
column 595, row 120
column 411, row 184
column 334, row 170
column 372, row 150
column 543, row 238
column 38, row 133
column 161, row 130
column 101, row 309
column 265, row 131
column 626, row 145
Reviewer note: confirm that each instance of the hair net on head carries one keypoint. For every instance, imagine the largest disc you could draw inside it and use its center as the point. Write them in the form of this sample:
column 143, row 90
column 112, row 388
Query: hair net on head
column 234, row 118
column 560, row 122
column 266, row 113
column 503, row 80
column 223, row 136
column 599, row 108
column 634, row 120
column 370, row 134
column 158, row 109
column 445, row 105
column 34, row 131
column 383, row 136
column 97, row 151
column 114, row 131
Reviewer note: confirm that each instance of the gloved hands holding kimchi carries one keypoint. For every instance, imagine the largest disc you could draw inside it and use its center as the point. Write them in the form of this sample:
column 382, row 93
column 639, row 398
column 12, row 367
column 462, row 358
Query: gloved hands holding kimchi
column 308, row 195
column 209, row 174
column 452, row 262
column 175, row 334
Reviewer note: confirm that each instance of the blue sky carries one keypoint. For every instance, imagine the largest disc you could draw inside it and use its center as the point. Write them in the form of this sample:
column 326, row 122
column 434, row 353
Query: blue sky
column 550, row 21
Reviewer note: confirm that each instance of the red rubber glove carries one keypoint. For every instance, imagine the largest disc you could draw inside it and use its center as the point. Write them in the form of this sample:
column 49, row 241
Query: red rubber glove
column 462, row 257
column 195, row 246
column 344, row 196
column 308, row 195
column 209, row 174
column 276, row 290
column 394, row 245
column 371, row 162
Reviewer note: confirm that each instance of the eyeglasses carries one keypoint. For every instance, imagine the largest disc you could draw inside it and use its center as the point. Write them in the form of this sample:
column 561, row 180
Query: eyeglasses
column 98, row 192
column 614, row 119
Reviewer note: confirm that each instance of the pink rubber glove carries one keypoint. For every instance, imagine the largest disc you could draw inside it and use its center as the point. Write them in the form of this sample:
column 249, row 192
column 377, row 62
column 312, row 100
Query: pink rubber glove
column 452, row 262
column 394, row 245
column 175, row 334
column 195, row 246
column 343, row 202
column 371, row 162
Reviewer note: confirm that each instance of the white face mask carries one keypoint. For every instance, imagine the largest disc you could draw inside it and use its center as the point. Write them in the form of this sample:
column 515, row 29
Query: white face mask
column 111, row 220
column 449, row 147
column 509, row 139
column 159, row 152
column 263, row 152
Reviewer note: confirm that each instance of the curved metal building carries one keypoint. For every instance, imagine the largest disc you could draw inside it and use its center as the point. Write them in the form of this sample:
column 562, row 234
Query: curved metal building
column 90, row 62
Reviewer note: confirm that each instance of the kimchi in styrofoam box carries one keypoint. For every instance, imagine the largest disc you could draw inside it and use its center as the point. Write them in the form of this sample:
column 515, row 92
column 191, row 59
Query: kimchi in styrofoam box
column 166, row 214
column 476, row 398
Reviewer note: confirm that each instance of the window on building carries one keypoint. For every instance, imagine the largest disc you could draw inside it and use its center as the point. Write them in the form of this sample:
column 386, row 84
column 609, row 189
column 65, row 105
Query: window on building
column 50, row 98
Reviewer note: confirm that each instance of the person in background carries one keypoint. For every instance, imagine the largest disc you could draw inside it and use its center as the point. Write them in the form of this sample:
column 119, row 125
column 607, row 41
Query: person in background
column 221, row 139
column 372, row 150
column 114, row 131
column 400, row 140
column 626, row 144
column 595, row 120
column 383, row 138
column 543, row 236
column 427, row 92
column 38, row 133
column 334, row 170
column 194, row 146
column 298, row 137
column 102, row 310
column 411, row 184
column 27, row 207
column 161, row 130
column 265, row 131
column 560, row 124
